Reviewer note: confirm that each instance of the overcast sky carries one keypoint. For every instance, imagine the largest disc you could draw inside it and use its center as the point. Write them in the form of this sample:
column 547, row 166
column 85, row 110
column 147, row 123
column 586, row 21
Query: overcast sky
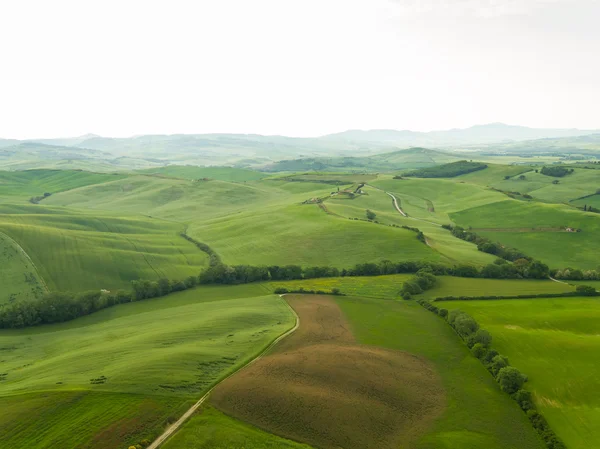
column 300, row 68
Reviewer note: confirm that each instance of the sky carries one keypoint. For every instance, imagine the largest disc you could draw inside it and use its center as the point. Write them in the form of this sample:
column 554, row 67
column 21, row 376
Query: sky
column 297, row 68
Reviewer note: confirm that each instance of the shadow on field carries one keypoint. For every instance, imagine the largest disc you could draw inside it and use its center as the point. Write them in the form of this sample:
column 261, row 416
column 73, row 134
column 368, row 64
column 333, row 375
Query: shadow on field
column 320, row 387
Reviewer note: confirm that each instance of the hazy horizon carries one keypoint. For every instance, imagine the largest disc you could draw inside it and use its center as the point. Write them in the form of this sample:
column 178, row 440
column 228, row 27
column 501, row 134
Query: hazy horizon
column 294, row 68
column 92, row 134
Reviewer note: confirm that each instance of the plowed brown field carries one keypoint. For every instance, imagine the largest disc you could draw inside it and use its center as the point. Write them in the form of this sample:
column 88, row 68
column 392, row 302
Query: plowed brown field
column 320, row 387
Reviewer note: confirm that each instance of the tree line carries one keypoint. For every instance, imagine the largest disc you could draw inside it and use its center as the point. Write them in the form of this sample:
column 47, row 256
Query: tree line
column 556, row 171
column 59, row 307
column 509, row 378
column 580, row 290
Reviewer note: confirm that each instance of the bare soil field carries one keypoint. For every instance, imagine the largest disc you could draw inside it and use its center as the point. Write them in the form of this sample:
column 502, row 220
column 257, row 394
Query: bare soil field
column 320, row 387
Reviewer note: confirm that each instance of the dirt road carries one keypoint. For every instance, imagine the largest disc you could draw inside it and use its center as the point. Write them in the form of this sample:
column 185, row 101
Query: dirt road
column 174, row 427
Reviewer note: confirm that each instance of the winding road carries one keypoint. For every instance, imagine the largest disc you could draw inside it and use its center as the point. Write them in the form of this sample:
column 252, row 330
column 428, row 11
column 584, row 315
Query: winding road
column 175, row 426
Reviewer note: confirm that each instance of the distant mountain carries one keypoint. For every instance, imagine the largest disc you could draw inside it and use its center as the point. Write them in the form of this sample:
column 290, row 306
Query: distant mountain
column 479, row 134
column 67, row 141
column 257, row 151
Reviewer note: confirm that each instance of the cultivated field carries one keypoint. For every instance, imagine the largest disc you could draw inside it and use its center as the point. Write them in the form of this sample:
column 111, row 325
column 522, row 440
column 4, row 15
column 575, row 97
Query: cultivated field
column 318, row 386
column 477, row 414
column 555, row 342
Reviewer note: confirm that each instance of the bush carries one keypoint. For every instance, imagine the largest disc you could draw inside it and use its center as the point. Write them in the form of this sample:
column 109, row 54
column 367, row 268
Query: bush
column 585, row 290
column 510, row 379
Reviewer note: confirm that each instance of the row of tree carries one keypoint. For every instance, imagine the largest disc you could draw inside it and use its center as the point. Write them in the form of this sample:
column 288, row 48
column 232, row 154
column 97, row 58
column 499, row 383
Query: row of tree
column 423, row 280
column 510, row 379
column 486, row 245
column 581, row 290
column 573, row 274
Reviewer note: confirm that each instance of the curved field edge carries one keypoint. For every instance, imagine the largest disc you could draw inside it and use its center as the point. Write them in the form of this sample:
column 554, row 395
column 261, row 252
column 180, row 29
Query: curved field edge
column 478, row 413
column 166, row 351
column 211, row 429
column 21, row 280
column 307, row 389
column 177, row 425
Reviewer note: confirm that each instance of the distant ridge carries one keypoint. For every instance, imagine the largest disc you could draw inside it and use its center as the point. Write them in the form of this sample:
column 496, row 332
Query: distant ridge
column 478, row 134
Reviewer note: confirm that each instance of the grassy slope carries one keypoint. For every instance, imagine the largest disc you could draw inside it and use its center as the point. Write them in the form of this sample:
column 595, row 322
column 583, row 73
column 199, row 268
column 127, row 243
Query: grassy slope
column 455, row 286
column 214, row 430
column 383, row 287
column 478, row 414
column 450, row 249
column 305, row 235
column 76, row 251
column 194, row 172
column 557, row 249
column 20, row 279
column 25, row 184
column 581, row 183
column 555, row 342
column 158, row 355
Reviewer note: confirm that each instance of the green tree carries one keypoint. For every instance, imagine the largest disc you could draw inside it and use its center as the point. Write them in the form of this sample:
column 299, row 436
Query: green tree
column 481, row 337
column 479, row 351
column 510, row 379
column 371, row 215
column 497, row 363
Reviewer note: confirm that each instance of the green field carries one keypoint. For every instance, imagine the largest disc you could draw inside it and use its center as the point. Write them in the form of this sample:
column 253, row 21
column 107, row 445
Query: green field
column 455, row 286
column 195, row 172
column 570, row 187
column 23, row 185
column 20, row 278
column 515, row 223
column 450, row 249
column 77, row 251
column 555, row 342
column 382, row 287
column 212, row 429
column 477, row 414
column 197, row 337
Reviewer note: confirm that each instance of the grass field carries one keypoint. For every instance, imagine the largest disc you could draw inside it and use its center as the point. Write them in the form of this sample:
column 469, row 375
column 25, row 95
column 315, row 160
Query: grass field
column 555, row 342
column 557, row 249
column 593, row 201
column 23, row 185
column 20, row 279
column 305, row 235
column 382, row 287
column 478, row 415
column 455, row 286
column 580, row 183
column 75, row 251
column 195, row 172
column 318, row 386
column 156, row 357
column 450, row 249
column 214, row 430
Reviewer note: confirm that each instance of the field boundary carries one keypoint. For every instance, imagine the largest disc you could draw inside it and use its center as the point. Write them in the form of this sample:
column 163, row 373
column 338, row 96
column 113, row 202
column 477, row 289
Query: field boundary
column 40, row 277
column 175, row 426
